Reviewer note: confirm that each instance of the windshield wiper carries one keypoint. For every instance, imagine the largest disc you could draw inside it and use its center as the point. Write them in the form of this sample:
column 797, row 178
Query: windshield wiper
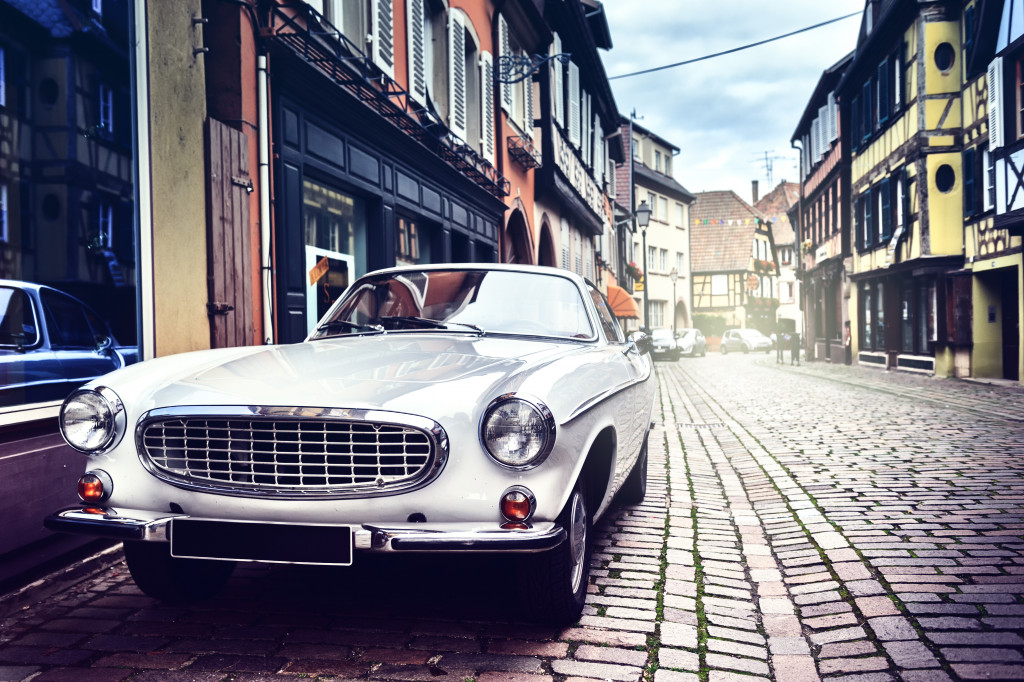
column 427, row 322
column 335, row 324
column 422, row 321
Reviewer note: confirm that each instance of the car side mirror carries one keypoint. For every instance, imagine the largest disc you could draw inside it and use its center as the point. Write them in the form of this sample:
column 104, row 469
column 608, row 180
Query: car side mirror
column 641, row 342
column 103, row 343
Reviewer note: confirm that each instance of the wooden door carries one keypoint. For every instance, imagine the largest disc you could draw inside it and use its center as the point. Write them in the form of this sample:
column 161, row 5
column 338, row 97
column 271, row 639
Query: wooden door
column 229, row 247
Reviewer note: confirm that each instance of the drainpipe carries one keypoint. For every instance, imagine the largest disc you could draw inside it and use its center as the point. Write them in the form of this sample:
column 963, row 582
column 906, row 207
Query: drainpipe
column 266, row 259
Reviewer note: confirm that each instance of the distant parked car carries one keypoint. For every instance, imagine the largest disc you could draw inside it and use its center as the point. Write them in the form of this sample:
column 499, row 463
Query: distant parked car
column 665, row 347
column 745, row 340
column 51, row 343
column 691, row 342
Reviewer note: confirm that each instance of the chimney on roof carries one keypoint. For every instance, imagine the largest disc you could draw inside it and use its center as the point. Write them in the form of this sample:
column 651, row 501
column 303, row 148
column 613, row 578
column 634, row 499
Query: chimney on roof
column 753, row 190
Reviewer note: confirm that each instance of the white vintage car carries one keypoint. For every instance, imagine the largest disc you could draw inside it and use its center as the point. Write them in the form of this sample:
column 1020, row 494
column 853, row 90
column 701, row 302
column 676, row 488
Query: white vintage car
column 448, row 408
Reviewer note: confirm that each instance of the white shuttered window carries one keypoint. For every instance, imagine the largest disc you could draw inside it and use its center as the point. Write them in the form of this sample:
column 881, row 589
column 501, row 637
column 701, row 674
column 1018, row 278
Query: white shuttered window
column 456, row 75
column 417, row 49
column 995, row 104
column 487, row 104
column 574, row 103
column 557, row 89
column 382, row 28
column 505, row 49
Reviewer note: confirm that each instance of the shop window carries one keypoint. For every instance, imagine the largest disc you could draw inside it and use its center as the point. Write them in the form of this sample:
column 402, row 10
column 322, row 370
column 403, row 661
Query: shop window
column 907, row 319
column 334, row 222
column 408, row 247
column 879, row 299
column 867, row 308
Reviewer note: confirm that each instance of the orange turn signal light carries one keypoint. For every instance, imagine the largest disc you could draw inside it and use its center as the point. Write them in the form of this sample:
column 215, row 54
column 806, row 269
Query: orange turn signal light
column 94, row 486
column 517, row 504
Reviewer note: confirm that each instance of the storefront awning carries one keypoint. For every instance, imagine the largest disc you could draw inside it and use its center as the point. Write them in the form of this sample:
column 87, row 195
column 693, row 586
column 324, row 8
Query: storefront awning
column 621, row 302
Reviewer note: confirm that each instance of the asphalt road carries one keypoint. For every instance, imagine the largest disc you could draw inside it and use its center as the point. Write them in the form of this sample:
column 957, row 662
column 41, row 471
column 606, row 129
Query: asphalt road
column 802, row 523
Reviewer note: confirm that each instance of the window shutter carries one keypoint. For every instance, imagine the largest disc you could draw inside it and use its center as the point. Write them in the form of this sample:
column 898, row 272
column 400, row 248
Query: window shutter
column 885, row 209
column 456, row 75
column 855, row 121
column 598, row 161
column 3, row 80
column 574, row 104
column 528, row 106
column 815, row 141
column 585, row 127
column 995, row 103
column 833, row 118
column 897, row 79
column 416, row 34
column 487, row 104
column 883, row 91
column 334, row 13
column 504, row 50
column 823, row 129
column 869, row 223
column 383, row 30
column 557, row 91
column 969, row 184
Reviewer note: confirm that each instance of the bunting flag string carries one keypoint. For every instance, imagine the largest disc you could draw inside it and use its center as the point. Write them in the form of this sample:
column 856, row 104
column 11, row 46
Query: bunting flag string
column 732, row 222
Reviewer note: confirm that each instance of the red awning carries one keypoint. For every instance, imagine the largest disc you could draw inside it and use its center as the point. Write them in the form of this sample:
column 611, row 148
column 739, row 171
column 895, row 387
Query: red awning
column 621, row 302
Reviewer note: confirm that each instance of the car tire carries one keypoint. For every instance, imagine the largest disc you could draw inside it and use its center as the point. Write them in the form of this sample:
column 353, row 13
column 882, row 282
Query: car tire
column 171, row 579
column 634, row 489
column 725, row 351
column 746, row 349
column 553, row 584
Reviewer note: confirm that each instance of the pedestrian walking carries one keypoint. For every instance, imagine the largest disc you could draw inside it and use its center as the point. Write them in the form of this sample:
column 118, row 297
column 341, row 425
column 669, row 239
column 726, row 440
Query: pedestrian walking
column 848, row 343
column 794, row 347
column 777, row 339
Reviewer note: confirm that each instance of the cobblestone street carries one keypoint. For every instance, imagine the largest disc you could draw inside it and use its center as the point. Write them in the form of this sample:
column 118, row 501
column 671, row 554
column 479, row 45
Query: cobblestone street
column 801, row 523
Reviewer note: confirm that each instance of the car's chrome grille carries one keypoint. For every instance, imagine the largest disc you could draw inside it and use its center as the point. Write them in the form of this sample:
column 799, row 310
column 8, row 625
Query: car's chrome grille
column 286, row 455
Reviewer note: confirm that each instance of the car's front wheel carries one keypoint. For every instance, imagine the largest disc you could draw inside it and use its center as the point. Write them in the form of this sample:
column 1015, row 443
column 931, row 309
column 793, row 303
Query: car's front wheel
column 171, row 579
column 553, row 584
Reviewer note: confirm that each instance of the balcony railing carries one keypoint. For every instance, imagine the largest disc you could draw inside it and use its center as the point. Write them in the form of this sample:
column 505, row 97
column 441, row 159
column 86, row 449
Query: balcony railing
column 308, row 35
column 522, row 151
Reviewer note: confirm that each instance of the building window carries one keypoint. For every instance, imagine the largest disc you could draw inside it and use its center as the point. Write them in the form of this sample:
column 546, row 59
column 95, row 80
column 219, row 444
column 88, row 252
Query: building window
column 105, row 225
column 106, row 109
column 4, row 235
column 663, row 209
column 719, row 285
column 679, row 263
column 657, row 160
column 657, row 310
column 652, row 253
column 880, row 317
column 652, row 202
column 663, row 260
column 636, row 149
column 680, row 218
column 989, row 180
column 970, row 200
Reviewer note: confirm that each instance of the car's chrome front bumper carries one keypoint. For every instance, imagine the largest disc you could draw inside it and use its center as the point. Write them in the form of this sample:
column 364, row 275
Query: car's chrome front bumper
column 149, row 527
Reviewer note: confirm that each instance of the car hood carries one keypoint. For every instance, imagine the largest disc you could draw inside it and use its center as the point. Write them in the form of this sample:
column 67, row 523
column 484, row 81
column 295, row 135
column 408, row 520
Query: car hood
column 410, row 373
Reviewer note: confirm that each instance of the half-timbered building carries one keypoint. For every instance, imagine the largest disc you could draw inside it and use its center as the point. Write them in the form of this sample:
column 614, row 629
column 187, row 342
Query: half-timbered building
column 733, row 265
column 987, row 307
column 901, row 95
column 822, row 218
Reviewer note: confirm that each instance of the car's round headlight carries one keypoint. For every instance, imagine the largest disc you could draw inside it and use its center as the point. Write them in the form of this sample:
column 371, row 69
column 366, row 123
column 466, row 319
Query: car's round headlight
column 517, row 431
column 90, row 420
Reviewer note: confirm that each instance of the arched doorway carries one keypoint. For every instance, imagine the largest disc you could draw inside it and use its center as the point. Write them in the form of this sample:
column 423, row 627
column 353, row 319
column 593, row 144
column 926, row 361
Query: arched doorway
column 546, row 249
column 518, row 245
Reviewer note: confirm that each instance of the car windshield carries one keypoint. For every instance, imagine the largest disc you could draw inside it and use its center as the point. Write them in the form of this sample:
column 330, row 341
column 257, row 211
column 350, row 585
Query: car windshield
column 662, row 333
column 481, row 301
column 751, row 333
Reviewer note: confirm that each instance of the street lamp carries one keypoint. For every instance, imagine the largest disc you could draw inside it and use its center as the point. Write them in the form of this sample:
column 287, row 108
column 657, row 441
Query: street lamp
column 673, row 275
column 643, row 217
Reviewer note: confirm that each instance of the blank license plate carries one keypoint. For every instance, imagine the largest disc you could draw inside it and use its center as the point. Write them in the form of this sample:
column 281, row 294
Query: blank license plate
column 279, row 543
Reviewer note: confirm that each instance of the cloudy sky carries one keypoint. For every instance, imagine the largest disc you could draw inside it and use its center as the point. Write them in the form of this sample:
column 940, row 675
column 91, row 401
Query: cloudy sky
column 725, row 113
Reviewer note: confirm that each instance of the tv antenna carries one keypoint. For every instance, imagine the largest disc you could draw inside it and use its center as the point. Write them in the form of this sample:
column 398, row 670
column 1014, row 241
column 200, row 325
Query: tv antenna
column 767, row 163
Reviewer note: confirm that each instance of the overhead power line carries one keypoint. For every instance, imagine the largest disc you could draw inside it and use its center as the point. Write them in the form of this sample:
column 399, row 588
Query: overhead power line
column 735, row 49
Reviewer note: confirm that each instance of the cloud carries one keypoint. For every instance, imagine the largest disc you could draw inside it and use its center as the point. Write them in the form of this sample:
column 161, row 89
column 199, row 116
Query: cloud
column 725, row 113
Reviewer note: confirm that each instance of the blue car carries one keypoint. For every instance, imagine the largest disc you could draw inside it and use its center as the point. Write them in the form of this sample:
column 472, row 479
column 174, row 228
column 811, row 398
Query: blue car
column 51, row 343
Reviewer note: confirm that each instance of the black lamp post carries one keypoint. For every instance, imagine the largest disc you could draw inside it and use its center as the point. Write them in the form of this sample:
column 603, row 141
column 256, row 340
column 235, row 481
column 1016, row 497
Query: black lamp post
column 643, row 217
column 674, row 275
